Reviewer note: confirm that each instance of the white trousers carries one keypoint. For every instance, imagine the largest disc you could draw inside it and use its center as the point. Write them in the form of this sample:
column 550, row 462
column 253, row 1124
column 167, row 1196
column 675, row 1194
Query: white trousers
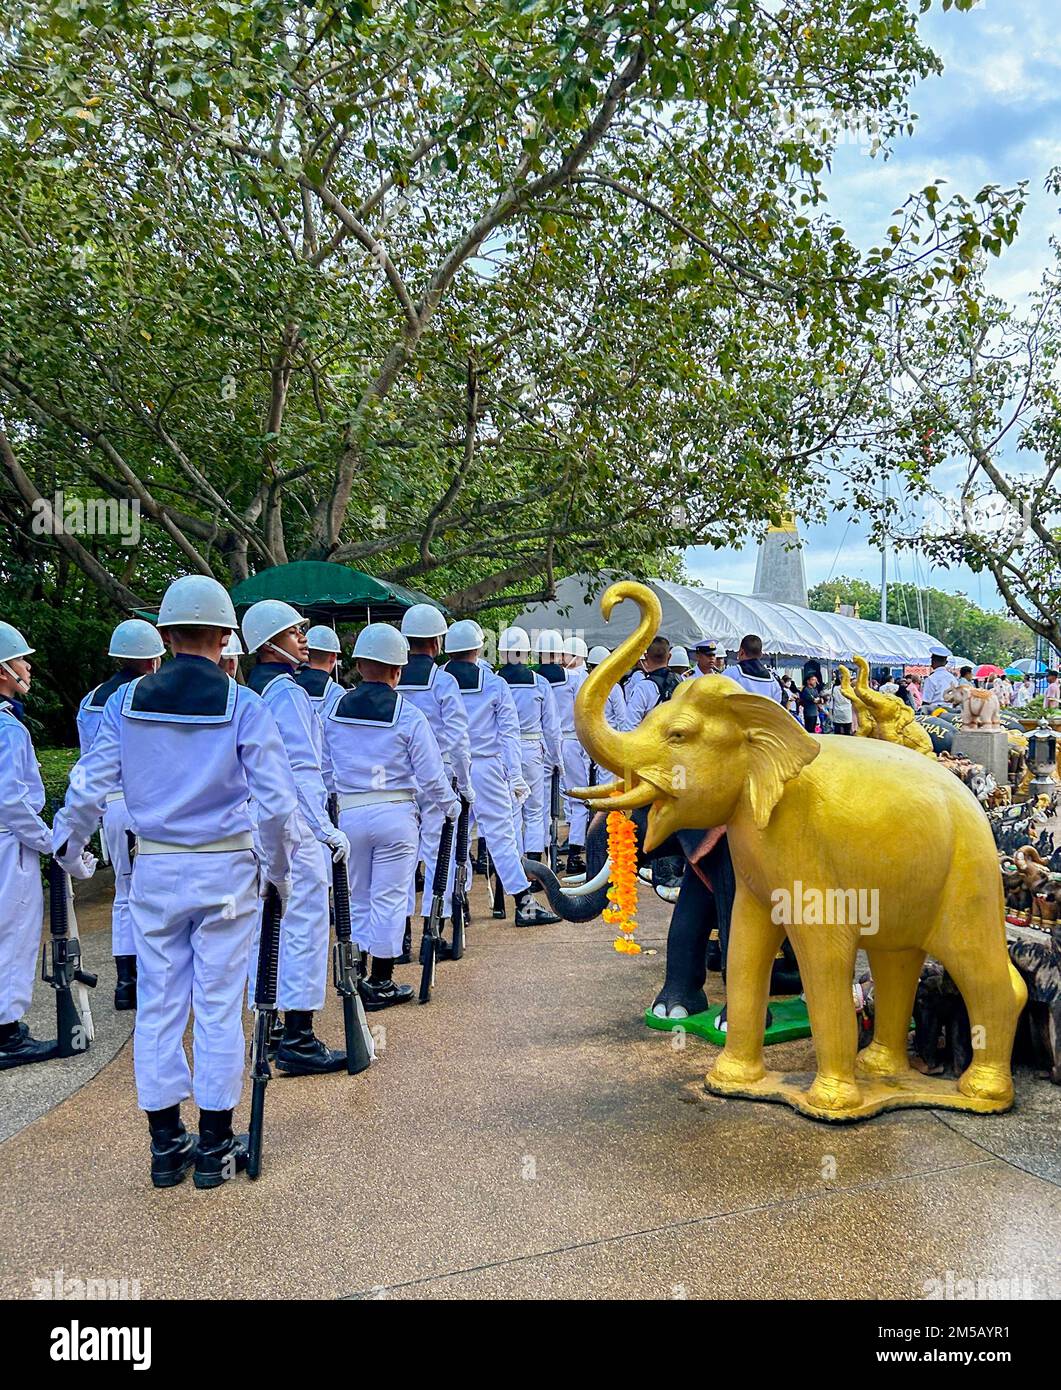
column 115, row 832
column 576, row 774
column 494, row 815
column 21, row 920
column 193, row 916
column 533, row 816
column 306, row 932
column 383, row 844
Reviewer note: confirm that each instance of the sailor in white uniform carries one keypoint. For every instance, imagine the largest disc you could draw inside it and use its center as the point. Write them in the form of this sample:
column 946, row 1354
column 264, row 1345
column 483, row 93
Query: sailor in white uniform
column 615, row 714
column 566, row 680
column 437, row 696
column 658, row 684
column 751, row 672
column 540, row 740
column 191, row 749
column 138, row 648
column 275, row 632
column 317, row 677
column 24, row 837
column 382, row 759
column 497, row 764
column 939, row 680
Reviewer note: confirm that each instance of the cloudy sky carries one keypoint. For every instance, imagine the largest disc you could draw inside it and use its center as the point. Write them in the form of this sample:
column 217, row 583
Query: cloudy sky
column 994, row 116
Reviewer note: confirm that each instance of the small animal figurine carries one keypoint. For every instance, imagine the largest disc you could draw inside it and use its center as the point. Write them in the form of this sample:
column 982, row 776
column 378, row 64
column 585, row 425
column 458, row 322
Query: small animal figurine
column 980, row 708
column 942, row 1036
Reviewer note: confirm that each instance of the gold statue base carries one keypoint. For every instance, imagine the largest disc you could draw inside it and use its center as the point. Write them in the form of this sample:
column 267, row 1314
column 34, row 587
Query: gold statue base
column 906, row 1092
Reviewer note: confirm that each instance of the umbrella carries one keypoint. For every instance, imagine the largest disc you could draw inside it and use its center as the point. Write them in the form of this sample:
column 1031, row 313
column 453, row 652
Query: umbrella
column 1030, row 667
column 1014, row 672
column 956, row 663
column 982, row 672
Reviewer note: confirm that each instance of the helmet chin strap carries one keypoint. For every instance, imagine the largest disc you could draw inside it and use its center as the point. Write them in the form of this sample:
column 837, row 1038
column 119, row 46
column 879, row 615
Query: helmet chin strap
column 23, row 685
column 293, row 660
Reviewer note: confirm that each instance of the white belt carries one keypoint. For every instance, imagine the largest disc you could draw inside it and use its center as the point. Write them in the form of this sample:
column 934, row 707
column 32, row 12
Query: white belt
column 532, row 738
column 243, row 840
column 115, row 796
column 347, row 800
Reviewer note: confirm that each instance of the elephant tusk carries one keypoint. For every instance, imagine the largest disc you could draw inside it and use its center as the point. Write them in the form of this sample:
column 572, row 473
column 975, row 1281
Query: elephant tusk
column 642, row 795
column 593, row 885
column 601, row 789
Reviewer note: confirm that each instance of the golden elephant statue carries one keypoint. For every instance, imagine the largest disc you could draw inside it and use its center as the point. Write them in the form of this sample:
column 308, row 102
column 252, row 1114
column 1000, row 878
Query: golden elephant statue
column 883, row 716
column 840, row 843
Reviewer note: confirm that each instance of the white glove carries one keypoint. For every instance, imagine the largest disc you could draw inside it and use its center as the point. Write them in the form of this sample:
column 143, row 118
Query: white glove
column 339, row 845
column 83, row 866
column 469, row 795
column 453, row 810
column 282, row 886
column 520, row 791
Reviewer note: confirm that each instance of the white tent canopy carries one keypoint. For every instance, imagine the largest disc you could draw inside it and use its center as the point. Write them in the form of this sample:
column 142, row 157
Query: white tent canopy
column 690, row 614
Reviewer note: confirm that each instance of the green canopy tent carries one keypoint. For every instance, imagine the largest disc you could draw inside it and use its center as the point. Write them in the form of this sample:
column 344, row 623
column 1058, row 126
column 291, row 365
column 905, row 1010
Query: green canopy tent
column 329, row 592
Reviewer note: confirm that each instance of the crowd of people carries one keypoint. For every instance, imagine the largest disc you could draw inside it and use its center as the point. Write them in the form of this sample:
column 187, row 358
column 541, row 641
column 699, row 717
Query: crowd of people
column 236, row 765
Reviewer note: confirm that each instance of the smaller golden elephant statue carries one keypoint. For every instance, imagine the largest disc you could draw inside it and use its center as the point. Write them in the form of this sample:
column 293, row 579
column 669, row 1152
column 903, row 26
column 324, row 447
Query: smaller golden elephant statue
column 883, row 716
column 838, row 843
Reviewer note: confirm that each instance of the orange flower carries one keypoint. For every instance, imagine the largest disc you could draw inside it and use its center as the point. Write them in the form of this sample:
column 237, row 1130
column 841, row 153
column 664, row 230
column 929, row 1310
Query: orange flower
column 622, row 891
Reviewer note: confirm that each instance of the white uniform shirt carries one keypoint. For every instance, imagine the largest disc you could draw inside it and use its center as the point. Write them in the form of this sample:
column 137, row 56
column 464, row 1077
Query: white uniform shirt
column 375, row 740
column 190, row 748
column 768, row 685
column 437, row 696
column 493, row 725
column 21, row 788
column 303, row 738
column 565, row 683
column 90, row 711
column 535, row 708
column 935, row 684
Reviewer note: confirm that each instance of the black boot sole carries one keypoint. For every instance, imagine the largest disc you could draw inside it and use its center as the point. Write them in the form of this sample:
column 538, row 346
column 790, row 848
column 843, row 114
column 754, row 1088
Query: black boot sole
column 171, row 1179
column 9, row 1063
column 374, row 1008
column 299, row 1069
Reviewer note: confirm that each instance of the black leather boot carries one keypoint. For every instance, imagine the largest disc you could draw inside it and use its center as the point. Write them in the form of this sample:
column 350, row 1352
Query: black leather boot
column 125, row 989
column 301, row 1053
column 576, row 860
column 536, row 885
column 18, row 1047
column 406, row 957
column 221, row 1153
column 173, row 1149
column 479, row 863
column 529, row 914
column 379, row 991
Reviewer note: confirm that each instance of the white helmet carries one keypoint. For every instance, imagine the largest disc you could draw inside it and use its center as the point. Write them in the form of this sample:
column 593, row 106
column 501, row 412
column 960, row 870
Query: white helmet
column 596, row 655
column 381, row 642
column 12, row 643
column 574, row 646
column 233, row 647
column 136, row 640
column 323, row 639
column 423, row 620
column 514, row 639
column 678, row 657
column 549, row 643
column 262, row 621
column 465, row 636
column 196, row 600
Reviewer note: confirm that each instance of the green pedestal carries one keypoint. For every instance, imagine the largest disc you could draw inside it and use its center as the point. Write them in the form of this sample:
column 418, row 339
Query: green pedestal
column 789, row 1021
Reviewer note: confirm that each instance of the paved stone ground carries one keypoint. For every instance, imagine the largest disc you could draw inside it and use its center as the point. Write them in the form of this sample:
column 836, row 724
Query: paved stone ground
column 525, row 1136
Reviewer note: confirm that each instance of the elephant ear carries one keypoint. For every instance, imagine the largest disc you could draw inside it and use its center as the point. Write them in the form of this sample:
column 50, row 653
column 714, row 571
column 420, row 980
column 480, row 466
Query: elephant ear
column 778, row 750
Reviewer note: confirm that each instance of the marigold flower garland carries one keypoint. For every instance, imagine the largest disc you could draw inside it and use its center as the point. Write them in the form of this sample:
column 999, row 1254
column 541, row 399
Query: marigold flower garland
column 622, row 890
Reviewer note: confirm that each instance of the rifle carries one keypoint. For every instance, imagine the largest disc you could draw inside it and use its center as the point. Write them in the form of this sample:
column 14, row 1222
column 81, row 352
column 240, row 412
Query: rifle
column 73, row 1016
column 264, row 1018
column 460, row 883
column 554, row 821
column 346, row 972
column 433, row 922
